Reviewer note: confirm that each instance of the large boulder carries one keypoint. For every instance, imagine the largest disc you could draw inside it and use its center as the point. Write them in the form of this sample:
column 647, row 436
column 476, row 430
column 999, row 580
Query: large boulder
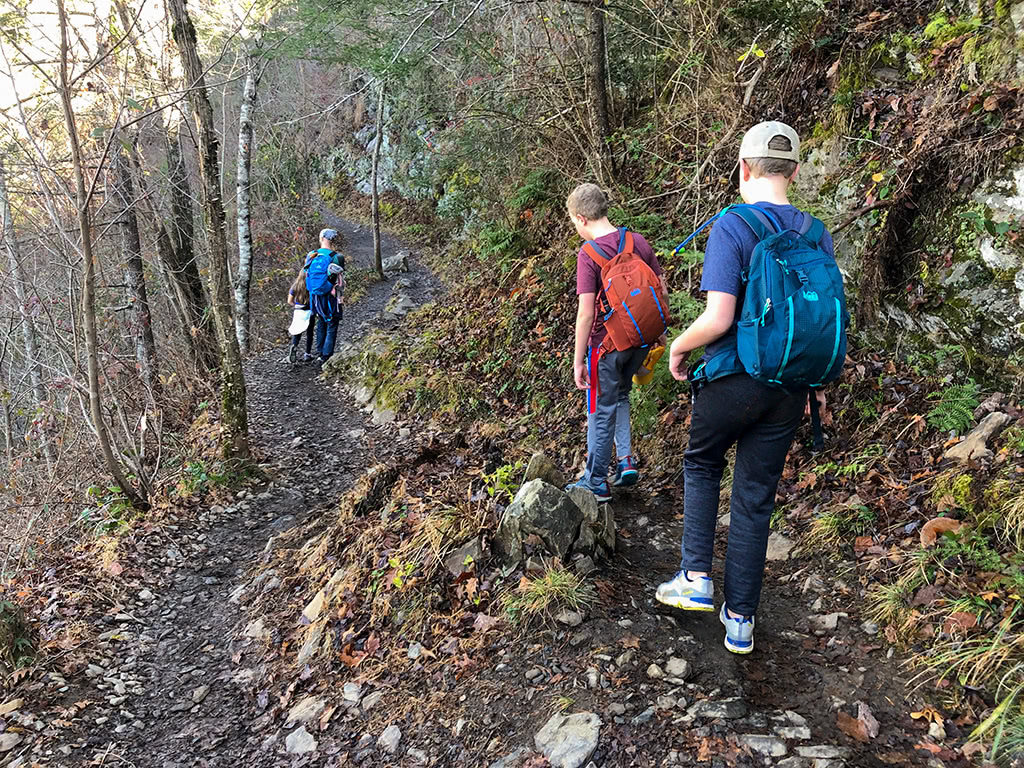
column 399, row 262
column 542, row 510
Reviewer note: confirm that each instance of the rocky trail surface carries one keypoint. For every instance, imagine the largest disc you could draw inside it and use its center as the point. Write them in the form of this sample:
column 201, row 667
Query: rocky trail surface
column 166, row 688
column 179, row 675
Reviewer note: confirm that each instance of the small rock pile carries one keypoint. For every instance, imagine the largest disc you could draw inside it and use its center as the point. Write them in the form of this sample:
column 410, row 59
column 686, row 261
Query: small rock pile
column 545, row 522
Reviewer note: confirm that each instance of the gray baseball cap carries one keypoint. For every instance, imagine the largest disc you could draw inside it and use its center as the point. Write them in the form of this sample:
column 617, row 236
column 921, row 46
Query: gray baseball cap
column 329, row 234
column 771, row 139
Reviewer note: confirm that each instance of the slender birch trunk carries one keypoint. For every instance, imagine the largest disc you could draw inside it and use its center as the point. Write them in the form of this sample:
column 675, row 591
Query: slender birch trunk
column 378, row 262
column 135, row 278
column 235, row 441
column 89, row 277
column 245, row 137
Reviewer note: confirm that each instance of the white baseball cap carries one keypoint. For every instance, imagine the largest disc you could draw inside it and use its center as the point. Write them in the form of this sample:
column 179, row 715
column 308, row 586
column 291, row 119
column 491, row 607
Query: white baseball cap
column 329, row 234
column 771, row 139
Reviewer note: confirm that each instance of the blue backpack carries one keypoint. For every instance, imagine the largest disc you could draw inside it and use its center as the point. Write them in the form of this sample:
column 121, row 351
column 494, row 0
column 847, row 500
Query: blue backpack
column 792, row 327
column 317, row 277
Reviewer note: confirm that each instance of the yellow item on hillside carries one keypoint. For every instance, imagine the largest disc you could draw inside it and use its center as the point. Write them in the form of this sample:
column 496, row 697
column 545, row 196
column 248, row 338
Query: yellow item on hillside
column 646, row 370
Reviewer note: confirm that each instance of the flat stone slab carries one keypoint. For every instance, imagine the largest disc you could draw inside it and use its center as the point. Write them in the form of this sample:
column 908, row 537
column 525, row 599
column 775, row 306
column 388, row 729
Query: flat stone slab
column 568, row 741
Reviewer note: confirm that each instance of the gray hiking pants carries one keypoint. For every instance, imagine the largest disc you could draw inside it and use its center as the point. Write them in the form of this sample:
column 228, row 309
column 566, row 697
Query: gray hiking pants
column 611, row 379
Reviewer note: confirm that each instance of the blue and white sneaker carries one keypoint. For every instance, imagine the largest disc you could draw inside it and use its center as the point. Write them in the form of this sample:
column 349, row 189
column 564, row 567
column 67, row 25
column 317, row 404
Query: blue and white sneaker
column 696, row 594
column 625, row 473
column 739, row 633
column 602, row 492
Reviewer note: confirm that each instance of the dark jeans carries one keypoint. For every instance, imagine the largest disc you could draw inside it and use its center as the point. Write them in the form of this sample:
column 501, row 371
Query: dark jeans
column 310, row 333
column 327, row 334
column 761, row 422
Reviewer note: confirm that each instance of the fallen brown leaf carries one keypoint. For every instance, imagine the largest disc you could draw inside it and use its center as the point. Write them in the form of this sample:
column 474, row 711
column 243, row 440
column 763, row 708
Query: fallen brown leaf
column 936, row 527
column 862, row 544
column 863, row 728
column 10, row 706
column 325, row 718
column 960, row 620
column 483, row 622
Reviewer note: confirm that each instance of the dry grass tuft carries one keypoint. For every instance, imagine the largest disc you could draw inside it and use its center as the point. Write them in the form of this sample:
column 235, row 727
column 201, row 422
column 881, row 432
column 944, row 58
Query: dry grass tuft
column 542, row 597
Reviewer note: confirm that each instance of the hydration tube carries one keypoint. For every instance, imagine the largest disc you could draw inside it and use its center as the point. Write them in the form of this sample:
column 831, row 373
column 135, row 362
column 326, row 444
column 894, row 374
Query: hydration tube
column 768, row 215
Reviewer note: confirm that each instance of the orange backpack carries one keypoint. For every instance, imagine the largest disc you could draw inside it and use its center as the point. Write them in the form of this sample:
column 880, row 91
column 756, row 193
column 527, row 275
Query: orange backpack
column 635, row 311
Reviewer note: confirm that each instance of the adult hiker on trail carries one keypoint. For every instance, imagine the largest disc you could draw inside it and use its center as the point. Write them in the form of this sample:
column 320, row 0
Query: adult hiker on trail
column 774, row 329
column 622, row 311
column 325, row 281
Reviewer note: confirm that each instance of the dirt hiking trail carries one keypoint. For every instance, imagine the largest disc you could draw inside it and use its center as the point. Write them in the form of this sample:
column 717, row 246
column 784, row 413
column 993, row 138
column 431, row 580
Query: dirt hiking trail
column 179, row 678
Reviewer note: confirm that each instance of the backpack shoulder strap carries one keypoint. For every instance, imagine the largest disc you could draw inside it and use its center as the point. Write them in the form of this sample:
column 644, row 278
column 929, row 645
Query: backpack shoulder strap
column 761, row 223
column 595, row 253
column 812, row 229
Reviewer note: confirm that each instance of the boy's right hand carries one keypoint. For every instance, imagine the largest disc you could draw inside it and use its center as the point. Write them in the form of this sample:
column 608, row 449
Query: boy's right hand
column 581, row 376
column 677, row 360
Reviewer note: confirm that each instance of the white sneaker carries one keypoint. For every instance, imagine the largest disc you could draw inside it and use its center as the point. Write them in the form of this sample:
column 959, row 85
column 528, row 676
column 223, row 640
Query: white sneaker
column 739, row 633
column 696, row 594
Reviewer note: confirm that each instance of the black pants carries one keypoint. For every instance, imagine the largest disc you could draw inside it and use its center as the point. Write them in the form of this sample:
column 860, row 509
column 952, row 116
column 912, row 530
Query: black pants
column 310, row 333
column 761, row 421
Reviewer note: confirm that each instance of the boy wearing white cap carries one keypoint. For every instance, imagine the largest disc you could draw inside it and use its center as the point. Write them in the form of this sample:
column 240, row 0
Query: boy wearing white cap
column 325, row 281
column 735, row 409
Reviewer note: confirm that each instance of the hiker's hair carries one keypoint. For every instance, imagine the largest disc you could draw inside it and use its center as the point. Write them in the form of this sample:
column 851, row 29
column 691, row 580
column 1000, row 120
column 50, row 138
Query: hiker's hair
column 773, row 166
column 298, row 289
column 588, row 201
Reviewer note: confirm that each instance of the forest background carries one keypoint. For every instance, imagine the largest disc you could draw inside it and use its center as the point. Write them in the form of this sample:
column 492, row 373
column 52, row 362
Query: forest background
column 163, row 169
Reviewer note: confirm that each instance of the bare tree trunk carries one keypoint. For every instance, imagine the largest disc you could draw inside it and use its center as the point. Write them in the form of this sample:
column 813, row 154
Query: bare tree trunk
column 88, row 277
column 378, row 262
column 185, row 265
column 598, row 88
column 8, row 435
column 235, row 443
column 245, row 136
column 30, row 346
column 182, row 277
column 134, row 276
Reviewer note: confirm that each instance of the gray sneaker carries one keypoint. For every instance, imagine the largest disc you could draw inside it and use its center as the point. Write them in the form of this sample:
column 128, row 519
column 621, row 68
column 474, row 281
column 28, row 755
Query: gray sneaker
column 696, row 594
column 293, row 353
column 739, row 633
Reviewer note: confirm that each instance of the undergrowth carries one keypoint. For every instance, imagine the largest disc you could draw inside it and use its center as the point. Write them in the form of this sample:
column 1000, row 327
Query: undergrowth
column 543, row 596
column 17, row 640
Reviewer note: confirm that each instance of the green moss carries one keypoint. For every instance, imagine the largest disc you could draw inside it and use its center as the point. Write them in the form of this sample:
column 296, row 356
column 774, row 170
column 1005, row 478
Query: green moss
column 955, row 488
column 901, row 41
column 996, row 57
column 941, row 29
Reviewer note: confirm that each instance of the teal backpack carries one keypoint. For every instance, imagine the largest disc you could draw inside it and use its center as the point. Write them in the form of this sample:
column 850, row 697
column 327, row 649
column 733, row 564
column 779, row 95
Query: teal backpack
column 792, row 327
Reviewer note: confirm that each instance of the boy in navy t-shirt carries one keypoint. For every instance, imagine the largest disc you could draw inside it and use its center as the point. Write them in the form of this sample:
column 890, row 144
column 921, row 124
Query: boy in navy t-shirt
column 735, row 409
